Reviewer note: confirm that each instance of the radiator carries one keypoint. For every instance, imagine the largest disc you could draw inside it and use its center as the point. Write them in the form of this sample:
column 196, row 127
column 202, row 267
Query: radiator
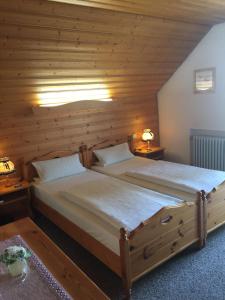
column 208, row 152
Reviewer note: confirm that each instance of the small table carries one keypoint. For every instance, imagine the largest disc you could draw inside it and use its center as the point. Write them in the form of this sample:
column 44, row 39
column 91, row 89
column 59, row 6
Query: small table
column 74, row 281
column 14, row 202
column 156, row 153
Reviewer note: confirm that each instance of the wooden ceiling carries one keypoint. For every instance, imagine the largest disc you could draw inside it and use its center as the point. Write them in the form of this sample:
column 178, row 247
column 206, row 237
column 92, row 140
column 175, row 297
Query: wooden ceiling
column 208, row 12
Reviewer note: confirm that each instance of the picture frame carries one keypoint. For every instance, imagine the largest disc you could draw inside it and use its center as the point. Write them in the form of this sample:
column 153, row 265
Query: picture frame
column 204, row 80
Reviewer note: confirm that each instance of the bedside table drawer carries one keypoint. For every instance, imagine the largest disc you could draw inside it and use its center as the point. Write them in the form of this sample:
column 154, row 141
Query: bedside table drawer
column 4, row 202
column 13, row 205
column 14, row 202
column 13, row 196
column 13, row 210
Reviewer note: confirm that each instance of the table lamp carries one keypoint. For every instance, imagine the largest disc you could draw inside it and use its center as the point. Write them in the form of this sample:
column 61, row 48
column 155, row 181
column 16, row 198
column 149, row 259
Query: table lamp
column 148, row 136
column 6, row 167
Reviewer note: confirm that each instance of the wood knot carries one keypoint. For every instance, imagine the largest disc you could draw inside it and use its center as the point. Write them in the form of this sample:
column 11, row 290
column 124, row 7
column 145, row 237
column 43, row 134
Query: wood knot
column 181, row 222
column 147, row 253
column 132, row 248
column 180, row 233
column 172, row 247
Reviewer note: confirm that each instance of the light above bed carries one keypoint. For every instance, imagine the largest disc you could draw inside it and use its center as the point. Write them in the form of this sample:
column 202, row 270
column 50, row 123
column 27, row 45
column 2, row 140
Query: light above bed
column 62, row 97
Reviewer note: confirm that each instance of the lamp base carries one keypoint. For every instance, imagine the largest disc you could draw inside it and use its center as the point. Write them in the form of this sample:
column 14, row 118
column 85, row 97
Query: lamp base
column 148, row 146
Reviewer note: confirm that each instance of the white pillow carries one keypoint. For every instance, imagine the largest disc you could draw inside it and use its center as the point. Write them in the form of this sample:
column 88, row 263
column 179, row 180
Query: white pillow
column 59, row 167
column 113, row 154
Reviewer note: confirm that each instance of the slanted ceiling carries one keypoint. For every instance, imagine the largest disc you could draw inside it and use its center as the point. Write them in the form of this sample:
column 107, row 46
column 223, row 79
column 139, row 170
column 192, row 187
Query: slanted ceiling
column 208, row 12
column 125, row 48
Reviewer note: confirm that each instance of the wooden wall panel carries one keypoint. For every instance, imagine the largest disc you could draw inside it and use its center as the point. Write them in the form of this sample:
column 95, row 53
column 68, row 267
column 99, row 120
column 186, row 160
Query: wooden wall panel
column 53, row 47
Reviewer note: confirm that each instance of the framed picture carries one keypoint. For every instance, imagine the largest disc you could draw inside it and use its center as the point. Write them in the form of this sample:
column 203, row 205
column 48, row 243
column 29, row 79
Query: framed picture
column 204, row 80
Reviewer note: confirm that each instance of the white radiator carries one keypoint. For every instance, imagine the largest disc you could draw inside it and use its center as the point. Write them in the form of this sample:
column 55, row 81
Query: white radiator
column 208, row 152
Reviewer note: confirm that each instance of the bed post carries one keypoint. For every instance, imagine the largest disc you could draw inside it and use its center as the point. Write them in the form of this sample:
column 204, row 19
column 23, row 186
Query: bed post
column 125, row 263
column 84, row 155
column 202, row 219
column 205, row 201
column 130, row 141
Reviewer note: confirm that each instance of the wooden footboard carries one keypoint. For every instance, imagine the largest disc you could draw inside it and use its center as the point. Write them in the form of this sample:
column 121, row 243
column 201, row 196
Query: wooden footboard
column 216, row 208
column 153, row 242
column 164, row 235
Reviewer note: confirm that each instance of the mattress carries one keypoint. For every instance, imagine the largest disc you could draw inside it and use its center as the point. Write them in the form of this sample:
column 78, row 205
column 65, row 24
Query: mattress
column 119, row 169
column 48, row 193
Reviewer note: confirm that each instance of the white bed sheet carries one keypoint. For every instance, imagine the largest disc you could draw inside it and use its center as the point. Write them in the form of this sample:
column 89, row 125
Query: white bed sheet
column 97, row 228
column 186, row 178
column 117, row 202
column 118, row 170
column 51, row 194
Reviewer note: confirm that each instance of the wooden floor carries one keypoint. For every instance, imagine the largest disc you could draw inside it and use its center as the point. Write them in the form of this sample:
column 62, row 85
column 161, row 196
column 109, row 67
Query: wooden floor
column 78, row 285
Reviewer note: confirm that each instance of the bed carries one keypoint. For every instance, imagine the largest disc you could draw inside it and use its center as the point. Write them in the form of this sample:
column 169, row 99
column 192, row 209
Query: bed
column 128, row 170
column 170, row 227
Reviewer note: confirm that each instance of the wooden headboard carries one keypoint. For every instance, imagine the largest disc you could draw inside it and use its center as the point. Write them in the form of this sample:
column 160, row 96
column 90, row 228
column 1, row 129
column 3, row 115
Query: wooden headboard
column 29, row 171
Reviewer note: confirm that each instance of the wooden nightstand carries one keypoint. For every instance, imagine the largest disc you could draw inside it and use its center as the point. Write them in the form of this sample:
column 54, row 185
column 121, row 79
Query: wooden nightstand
column 14, row 202
column 156, row 153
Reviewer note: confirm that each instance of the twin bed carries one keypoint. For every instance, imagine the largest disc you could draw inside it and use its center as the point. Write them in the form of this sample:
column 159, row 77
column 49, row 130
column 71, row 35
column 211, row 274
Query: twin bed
column 130, row 224
column 150, row 174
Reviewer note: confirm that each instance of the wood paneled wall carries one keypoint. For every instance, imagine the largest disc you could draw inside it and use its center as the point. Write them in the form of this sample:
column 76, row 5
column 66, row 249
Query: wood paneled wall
column 49, row 46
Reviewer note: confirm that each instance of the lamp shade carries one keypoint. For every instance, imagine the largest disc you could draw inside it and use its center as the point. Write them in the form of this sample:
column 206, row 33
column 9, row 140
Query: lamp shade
column 6, row 166
column 147, row 135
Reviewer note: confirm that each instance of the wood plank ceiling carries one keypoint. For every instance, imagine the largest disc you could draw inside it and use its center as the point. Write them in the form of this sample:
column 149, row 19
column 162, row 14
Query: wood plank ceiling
column 208, row 12
column 125, row 48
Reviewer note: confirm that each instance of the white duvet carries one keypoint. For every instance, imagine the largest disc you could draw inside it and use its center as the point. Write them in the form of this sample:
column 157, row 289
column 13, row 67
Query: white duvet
column 182, row 177
column 119, row 203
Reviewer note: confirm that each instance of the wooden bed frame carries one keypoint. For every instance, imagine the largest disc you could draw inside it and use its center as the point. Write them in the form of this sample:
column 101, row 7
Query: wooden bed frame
column 213, row 203
column 153, row 242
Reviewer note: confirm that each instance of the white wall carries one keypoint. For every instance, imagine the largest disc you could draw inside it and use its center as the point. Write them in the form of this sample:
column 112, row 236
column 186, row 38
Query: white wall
column 180, row 109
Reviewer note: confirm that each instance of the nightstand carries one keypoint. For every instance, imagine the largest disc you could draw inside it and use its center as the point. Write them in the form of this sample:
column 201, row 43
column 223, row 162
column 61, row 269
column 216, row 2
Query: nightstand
column 14, row 202
column 156, row 153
